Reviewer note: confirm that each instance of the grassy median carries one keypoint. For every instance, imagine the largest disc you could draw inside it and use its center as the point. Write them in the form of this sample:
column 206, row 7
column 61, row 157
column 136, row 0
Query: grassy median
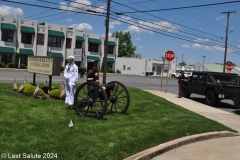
column 35, row 126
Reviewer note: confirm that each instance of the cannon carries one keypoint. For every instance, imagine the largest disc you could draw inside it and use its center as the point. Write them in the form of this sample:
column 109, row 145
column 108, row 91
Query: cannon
column 93, row 100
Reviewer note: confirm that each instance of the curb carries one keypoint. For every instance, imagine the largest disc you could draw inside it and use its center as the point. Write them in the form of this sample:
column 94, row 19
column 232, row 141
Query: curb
column 162, row 148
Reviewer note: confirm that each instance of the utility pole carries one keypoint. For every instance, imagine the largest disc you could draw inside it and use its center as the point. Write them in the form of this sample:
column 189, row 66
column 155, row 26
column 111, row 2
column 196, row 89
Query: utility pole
column 106, row 43
column 226, row 40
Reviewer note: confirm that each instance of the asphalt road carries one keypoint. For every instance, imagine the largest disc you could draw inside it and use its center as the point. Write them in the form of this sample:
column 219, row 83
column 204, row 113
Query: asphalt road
column 148, row 83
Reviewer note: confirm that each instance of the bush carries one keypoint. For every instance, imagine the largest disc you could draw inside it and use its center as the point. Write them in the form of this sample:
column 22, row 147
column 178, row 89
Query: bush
column 2, row 65
column 56, row 93
column 29, row 90
column 10, row 65
column 62, row 68
column 110, row 70
column 118, row 71
column 22, row 66
column 16, row 60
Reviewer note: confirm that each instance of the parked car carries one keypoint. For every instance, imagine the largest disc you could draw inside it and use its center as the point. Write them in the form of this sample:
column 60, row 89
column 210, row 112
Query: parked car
column 176, row 74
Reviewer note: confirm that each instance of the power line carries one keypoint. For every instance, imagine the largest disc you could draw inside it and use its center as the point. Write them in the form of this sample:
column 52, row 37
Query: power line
column 186, row 7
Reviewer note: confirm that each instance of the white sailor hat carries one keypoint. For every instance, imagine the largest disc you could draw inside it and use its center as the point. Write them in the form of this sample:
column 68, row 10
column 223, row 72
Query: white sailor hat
column 70, row 57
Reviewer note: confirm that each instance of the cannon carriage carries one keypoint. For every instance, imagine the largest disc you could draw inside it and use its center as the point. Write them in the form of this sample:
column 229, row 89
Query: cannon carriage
column 93, row 100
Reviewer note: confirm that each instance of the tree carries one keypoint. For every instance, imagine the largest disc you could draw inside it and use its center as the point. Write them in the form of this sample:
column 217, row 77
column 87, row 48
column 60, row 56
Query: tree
column 231, row 62
column 125, row 46
column 182, row 64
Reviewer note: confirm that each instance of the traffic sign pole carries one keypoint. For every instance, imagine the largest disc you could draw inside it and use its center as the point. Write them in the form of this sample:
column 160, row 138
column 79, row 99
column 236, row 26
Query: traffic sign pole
column 169, row 56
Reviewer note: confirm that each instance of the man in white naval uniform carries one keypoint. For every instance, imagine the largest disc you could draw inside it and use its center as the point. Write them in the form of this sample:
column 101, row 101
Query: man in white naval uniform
column 71, row 76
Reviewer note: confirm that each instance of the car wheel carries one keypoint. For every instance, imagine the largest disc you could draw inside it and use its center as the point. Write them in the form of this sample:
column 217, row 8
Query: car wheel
column 210, row 98
column 185, row 92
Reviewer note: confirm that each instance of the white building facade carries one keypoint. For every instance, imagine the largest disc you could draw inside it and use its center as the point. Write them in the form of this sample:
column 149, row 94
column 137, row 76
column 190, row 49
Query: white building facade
column 27, row 37
column 145, row 66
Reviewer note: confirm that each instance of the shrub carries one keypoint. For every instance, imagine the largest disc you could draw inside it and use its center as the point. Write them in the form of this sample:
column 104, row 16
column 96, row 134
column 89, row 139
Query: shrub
column 2, row 65
column 62, row 68
column 118, row 71
column 10, row 65
column 56, row 93
column 22, row 66
column 16, row 60
column 110, row 70
column 29, row 90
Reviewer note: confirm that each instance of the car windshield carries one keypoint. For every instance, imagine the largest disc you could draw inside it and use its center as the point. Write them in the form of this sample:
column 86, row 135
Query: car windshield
column 220, row 78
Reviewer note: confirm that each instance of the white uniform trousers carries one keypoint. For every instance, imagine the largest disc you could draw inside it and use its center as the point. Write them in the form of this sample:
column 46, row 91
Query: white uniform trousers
column 69, row 86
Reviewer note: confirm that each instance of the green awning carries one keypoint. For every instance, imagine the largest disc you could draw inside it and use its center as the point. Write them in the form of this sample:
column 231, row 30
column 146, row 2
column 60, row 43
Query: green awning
column 110, row 43
column 7, row 50
column 95, row 58
column 27, row 29
column 55, row 33
column 53, row 54
column 96, row 41
column 79, row 38
column 111, row 60
column 26, row 51
column 7, row 26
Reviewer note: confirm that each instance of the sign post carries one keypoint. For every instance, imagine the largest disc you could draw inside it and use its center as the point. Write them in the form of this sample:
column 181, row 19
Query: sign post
column 229, row 67
column 169, row 56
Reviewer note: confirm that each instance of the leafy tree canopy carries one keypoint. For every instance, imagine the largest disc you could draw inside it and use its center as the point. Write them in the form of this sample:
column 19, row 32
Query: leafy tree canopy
column 182, row 64
column 125, row 46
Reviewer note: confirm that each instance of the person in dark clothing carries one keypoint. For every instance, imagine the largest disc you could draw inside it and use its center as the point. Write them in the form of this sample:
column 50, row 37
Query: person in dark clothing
column 180, row 85
column 93, row 75
column 82, row 72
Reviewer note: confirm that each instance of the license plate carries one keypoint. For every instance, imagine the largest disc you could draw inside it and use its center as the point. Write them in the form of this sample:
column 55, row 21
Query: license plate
column 221, row 96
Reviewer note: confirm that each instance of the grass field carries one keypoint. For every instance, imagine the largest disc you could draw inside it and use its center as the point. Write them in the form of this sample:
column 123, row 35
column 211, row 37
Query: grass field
column 36, row 126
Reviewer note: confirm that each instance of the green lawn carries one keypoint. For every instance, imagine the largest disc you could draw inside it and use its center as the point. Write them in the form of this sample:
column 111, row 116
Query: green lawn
column 36, row 126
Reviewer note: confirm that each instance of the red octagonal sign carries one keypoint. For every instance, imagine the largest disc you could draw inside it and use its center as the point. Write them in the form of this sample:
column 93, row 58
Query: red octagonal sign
column 229, row 66
column 169, row 55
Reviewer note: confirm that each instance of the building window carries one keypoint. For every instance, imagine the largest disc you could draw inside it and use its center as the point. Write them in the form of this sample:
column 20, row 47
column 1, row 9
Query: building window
column 54, row 41
column 92, row 47
column 40, row 39
column 7, row 35
column 68, row 43
column 6, row 58
column 78, row 44
column 110, row 49
column 26, row 38
column 153, row 68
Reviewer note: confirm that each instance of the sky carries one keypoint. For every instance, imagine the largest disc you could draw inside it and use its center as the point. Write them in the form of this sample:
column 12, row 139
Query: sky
column 191, row 29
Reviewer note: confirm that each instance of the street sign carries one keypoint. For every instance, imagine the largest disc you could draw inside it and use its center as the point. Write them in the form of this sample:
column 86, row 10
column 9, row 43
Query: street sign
column 229, row 66
column 169, row 55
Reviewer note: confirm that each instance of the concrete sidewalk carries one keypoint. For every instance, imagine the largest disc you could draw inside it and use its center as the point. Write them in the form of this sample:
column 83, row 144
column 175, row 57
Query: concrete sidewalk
column 207, row 146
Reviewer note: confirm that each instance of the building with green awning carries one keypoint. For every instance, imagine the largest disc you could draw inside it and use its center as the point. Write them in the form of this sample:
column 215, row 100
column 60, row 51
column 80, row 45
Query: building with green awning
column 93, row 58
column 55, row 33
column 110, row 43
column 8, row 26
column 27, row 29
column 7, row 50
column 80, row 38
column 54, row 54
column 26, row 51
column 93, row 40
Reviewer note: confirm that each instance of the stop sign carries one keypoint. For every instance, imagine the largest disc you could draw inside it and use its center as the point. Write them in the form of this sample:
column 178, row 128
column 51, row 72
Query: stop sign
column 229, row 66
column 169, row 55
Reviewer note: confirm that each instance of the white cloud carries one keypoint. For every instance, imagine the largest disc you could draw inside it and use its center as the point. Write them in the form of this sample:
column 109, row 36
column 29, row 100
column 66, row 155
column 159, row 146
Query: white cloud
column 141, row 47
column 219, row 18
column 138, row 39
column 10, row 11
column 69, row 20
column 186, row 46
column 112, row 24
column 238, row 46
column 80, row 5
column 82, row 26
column 163, row 25
column 135, row 29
